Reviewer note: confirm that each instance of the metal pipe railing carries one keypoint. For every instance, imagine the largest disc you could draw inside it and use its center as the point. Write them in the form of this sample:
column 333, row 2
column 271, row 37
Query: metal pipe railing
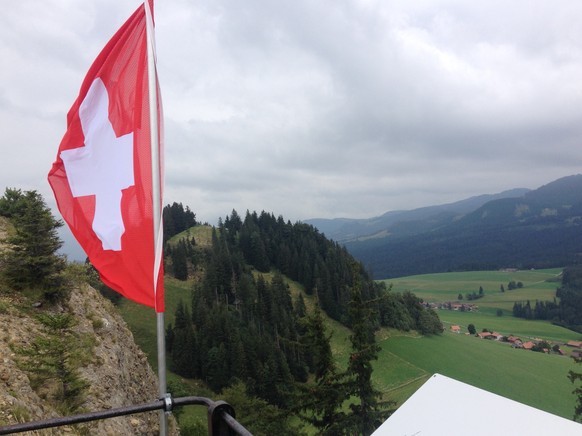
column 221, row 416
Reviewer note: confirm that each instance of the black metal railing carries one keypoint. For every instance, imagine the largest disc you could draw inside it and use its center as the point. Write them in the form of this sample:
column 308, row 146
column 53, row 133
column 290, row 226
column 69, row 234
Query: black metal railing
column 221, row 416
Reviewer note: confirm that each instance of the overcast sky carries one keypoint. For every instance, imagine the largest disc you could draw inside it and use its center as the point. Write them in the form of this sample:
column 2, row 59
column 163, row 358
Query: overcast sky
column 303, row 108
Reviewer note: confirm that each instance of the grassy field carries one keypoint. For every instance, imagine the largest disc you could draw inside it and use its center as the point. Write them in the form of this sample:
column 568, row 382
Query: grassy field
column 537, row 285
column 407, row 360
column 508, row 325
column 536, row 379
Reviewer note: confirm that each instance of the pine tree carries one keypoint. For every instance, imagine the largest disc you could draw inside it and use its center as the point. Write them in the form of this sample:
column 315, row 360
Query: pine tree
column 300, row 308
column 368, row 414
column 323, row 399
column 183, row 343
column 52, row 360
column 179, row 260
column 32, row 260
column 319, row 346
column 257, row 415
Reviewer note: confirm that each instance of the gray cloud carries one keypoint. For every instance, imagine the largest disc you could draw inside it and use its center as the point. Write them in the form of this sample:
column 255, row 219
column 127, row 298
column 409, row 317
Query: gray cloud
column 317, row 109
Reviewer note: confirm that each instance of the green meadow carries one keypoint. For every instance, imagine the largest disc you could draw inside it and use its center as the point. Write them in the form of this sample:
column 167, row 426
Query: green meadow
column 537, row 379
column 446, row 287
column 407, row 359
column 537, row 285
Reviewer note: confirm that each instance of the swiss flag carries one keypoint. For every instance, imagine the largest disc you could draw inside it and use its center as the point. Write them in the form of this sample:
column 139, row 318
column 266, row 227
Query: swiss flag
column 102, row 176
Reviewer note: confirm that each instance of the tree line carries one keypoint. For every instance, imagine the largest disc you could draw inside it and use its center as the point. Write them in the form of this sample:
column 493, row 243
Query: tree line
column 567, row 311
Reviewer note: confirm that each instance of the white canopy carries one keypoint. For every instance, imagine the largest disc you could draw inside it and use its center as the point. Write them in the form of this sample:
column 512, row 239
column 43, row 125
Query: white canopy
column 446, row 407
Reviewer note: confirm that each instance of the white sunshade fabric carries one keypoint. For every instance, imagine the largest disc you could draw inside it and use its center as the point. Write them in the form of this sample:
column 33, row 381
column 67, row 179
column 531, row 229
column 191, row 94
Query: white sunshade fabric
column 447, row 407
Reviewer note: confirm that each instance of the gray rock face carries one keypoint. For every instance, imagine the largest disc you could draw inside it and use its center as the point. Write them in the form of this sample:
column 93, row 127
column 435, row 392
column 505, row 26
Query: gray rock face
column 118, row 373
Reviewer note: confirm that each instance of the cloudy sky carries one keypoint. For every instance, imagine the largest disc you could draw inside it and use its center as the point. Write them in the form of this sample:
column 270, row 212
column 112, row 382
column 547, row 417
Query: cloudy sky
column 328, row 108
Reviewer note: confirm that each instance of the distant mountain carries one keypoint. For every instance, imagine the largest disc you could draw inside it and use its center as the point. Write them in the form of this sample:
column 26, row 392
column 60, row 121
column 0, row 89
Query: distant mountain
column 405, row 222
column 539, row 228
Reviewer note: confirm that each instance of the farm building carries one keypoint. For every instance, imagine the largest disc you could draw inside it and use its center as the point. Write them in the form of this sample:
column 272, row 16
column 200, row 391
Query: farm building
column 527, row 345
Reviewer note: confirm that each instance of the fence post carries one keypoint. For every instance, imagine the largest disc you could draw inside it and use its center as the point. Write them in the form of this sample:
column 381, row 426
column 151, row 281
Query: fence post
column 217, row 426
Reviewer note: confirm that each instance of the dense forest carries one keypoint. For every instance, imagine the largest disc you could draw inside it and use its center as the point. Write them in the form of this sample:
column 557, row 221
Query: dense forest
column 567, row 312
column 456, row 249
column 243, row 325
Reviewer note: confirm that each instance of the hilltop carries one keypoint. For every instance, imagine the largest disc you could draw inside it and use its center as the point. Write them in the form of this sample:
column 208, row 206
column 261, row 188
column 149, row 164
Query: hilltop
column 247, row 324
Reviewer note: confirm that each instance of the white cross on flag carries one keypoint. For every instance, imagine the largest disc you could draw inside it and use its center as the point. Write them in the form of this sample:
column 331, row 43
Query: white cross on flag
column 102, row 176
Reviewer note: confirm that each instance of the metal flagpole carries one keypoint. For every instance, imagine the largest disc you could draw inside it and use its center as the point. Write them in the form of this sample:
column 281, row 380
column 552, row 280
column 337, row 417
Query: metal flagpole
column 156, row 194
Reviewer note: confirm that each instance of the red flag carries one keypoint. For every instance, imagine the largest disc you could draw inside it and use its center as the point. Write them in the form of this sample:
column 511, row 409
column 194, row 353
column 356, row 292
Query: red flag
column 102, row 176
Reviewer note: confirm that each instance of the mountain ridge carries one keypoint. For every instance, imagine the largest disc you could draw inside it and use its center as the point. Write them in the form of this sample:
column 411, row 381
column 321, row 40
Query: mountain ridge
column 349, row 229
column 539, row 229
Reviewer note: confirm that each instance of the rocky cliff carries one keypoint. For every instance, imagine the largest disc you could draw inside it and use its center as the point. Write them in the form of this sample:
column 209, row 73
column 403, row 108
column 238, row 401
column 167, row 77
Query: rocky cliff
column 114, row 371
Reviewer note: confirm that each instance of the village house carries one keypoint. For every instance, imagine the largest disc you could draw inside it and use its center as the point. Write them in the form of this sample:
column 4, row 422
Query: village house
column 517, row 344
column 456, row 329
column 574, row 344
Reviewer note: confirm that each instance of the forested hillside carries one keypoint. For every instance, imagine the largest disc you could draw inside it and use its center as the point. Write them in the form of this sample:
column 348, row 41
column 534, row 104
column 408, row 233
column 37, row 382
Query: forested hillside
column 243, row 324
column 540, row 229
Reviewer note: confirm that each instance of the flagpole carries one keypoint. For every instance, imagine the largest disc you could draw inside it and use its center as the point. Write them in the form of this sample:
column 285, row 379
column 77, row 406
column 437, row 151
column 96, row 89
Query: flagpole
column 156, row 204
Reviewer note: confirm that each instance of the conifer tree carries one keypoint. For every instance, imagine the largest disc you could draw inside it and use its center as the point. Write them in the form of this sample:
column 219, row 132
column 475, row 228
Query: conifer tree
column 319, row 346
column 369, row 412
column 300, row 308
column 52, row 360
column 179, row 260
column 32, row 260
column 257, row 415
column 323, row 399
column 183, row 343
